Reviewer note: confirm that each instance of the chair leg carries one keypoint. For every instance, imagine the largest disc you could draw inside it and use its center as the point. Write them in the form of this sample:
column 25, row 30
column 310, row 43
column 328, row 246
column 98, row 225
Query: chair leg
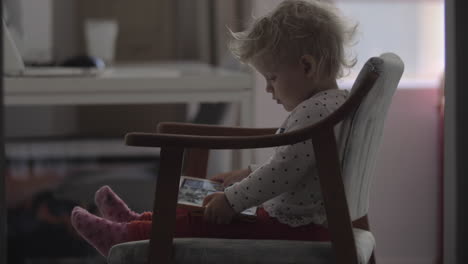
column 165, row 203
column 334, row 196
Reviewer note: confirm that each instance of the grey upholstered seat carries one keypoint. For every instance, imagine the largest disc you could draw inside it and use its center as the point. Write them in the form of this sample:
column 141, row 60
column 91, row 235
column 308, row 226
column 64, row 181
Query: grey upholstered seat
column 358, row 143
column 235, row 251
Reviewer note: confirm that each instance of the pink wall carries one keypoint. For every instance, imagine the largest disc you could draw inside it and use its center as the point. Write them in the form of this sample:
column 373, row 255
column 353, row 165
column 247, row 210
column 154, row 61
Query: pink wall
column 404, row 206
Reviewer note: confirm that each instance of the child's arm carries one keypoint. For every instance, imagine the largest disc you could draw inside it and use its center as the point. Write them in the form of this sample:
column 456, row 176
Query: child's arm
column 280, row 174
column 228, row 178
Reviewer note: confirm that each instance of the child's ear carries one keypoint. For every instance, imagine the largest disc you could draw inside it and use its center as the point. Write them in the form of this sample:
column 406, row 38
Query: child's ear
column 308, row 65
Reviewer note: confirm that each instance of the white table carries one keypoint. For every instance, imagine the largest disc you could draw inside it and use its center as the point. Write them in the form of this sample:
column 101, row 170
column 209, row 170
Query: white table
column 184, row 82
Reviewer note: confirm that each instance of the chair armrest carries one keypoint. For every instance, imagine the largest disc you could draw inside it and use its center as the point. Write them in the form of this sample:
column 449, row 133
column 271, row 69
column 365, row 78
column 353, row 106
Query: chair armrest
column 210, row 130
column 211, row 142
column 197, row 159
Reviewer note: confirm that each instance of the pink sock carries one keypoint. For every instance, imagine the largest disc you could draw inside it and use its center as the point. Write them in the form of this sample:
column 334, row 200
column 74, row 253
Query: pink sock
column 112, row 207
column 99, row 232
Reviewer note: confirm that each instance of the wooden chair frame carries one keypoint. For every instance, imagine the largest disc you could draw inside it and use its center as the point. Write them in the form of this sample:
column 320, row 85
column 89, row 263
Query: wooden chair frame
column 196, row 140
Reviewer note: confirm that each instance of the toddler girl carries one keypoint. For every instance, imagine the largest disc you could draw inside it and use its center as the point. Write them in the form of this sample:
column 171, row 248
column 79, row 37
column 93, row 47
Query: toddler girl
column 299, row 49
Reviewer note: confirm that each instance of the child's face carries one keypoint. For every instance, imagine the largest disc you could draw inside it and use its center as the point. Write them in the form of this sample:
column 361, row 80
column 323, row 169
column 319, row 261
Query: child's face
column 289, row 85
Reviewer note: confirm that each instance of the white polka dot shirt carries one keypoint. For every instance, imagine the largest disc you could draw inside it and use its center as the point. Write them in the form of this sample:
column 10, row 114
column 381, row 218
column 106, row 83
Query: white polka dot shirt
column 287, row 185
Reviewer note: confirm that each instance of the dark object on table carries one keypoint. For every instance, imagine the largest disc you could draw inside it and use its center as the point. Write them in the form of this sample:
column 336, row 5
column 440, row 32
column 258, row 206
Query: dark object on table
column 84, row 61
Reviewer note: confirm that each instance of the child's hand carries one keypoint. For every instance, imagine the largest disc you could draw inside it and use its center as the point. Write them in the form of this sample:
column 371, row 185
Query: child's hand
column 217, row 209
column 229, row 178
column 220, row 177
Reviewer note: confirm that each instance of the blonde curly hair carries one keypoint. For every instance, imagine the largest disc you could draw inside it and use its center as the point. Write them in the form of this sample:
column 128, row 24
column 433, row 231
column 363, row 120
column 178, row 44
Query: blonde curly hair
column 296, row 28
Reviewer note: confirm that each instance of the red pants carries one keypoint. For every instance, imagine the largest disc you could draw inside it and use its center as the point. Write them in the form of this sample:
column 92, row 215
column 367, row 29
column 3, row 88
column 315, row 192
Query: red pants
column 264, row 227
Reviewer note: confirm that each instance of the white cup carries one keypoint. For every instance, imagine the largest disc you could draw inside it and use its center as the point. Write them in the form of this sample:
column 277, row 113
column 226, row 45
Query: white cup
column 100, row 36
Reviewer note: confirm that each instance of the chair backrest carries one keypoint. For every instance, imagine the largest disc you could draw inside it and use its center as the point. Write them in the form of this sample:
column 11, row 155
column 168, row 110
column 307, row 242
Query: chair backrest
column 361, row 132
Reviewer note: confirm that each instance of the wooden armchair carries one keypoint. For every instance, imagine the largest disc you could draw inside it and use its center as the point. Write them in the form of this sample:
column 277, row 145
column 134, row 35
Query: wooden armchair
column 345, row 164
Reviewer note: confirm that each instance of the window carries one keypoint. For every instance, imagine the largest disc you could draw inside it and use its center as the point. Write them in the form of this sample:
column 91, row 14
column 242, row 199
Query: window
column 412, row 29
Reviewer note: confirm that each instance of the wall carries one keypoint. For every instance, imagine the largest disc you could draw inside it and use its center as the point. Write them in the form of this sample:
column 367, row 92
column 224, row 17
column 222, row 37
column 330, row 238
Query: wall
column 37, row 33
column 66, row 40
column 404, row 208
